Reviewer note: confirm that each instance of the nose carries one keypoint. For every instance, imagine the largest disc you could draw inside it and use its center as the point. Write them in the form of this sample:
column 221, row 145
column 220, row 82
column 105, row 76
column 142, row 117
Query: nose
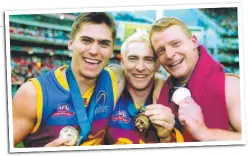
column 94, row 49
column 170, row 52
column 140, row 66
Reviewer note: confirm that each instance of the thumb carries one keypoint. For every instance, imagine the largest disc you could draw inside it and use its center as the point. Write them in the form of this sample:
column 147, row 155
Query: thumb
column 57, row 142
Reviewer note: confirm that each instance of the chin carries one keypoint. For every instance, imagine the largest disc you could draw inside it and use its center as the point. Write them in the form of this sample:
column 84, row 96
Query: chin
column 140, row 87
column 90, row 75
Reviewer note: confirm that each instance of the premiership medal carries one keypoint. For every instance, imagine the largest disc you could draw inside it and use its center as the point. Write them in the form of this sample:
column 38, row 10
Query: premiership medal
column 71, row 133
column 180, row 94
column 141, row 121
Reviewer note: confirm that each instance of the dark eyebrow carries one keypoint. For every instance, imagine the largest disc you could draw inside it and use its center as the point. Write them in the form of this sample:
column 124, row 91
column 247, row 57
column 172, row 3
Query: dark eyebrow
column 86, row 37
column 105, row 41
column 99, row 40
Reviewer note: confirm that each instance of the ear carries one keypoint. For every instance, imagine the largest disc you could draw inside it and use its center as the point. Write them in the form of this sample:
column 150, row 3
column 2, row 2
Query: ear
column 122, row 61
column 194, row 42
column 70, row 44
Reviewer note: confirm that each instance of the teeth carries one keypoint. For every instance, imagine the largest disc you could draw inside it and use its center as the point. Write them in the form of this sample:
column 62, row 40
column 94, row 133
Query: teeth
column 140, row 76
column 175, row 63
column 91, row 61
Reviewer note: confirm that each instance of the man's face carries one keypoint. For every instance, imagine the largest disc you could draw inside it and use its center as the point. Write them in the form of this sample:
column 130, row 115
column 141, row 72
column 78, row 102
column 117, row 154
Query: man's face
column 139, row 65
column 176, row 52
column 92, row 47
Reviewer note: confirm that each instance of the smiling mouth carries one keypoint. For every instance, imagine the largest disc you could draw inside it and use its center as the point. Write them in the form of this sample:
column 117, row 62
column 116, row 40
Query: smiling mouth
column 91, row 61
column 174, row 64
column 140, row 76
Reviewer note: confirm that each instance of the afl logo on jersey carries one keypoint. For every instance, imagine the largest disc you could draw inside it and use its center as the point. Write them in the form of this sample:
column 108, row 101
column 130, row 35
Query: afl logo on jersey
column 63, row 110
column 101, row 102
column 121, row 116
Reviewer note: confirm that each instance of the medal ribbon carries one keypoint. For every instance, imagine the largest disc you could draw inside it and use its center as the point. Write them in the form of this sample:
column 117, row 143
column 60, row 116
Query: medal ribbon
column 131, row 106
column 84, row 116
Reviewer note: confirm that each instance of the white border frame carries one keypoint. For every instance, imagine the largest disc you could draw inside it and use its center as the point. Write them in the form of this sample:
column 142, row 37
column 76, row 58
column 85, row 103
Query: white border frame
column 137, row 8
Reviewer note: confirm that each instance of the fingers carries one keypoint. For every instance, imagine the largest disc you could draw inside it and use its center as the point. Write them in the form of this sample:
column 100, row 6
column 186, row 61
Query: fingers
column 167, row 125
column 169, row 118
column 57, row 142
column 156, row 109
column 181, row 119
column 154, row 106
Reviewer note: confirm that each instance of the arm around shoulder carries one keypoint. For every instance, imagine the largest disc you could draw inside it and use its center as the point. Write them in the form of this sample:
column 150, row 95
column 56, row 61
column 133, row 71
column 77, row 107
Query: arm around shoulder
column 120, row 79
column 24, row 111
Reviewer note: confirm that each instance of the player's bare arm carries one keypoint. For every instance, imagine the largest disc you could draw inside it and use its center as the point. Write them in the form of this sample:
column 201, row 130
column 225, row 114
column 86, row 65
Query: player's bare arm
column 24, row 111
column 232, row 93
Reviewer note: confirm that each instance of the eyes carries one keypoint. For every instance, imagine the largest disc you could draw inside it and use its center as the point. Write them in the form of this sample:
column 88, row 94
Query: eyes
column 146, row 59
column 102, row 43
column 162, row 50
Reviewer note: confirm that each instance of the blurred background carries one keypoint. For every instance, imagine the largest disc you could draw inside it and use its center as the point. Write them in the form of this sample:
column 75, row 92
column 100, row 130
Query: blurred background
column 38, row 43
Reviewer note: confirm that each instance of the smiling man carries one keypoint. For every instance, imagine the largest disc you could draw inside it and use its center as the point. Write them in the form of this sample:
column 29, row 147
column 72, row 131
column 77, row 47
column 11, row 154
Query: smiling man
column 125, row 126
column 215, row 101
column 72, row 99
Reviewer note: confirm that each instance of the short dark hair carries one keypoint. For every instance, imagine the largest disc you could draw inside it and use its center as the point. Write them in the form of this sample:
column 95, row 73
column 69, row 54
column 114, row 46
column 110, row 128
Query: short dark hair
column 95, row 18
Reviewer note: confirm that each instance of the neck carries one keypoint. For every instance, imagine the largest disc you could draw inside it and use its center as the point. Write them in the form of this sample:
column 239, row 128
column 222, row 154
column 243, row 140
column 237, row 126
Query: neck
column 181, row 81
column 139, row 96
column 83, row 83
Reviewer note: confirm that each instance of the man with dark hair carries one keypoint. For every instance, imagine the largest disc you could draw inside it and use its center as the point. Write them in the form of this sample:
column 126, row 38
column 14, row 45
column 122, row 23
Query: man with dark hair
column 78, row 98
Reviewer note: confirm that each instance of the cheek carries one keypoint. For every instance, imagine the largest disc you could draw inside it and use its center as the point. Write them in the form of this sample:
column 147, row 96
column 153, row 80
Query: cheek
column 151, row 68
column 107, row 53
column 129, row 65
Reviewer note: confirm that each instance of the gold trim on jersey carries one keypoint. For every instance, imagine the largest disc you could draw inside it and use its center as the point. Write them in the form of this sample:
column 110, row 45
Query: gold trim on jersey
column 59, row 76
column 230, row 74
column 39, row 103
column 179, row 136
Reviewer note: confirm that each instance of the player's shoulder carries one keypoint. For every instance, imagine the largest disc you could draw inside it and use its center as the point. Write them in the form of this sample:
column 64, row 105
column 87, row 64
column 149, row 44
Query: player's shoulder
column 25, row 99
column 232, row 88
column 27, row 89
column 231, row 80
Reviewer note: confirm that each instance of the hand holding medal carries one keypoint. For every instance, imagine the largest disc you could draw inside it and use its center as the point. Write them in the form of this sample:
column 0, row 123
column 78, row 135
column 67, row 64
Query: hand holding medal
column 162, row 119
column 180, row 94
column 71, row 134
column 142, row 122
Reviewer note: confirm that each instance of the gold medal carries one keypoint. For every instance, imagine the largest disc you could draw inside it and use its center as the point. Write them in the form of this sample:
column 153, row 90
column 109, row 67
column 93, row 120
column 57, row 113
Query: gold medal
column 142, row 122
column 71, row 133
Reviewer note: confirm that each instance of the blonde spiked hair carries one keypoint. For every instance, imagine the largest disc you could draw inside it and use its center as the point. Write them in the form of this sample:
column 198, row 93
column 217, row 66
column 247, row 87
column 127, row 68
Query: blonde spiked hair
column 140, row 36
column 166, row 22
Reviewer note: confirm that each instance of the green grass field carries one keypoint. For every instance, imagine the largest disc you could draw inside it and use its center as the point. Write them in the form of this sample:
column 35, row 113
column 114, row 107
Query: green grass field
column 20, row 145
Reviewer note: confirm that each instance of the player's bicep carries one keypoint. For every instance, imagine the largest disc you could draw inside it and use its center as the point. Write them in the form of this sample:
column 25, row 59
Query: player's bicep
column 24, row 111
column 232, row 90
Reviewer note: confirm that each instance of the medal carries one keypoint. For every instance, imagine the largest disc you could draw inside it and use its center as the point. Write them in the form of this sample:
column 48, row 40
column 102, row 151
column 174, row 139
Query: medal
column 141, row 121
column 71, row 133
column 180, row 94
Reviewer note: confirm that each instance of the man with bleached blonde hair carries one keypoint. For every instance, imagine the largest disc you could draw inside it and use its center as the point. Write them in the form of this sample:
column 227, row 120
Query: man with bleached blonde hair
column 125, row 127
